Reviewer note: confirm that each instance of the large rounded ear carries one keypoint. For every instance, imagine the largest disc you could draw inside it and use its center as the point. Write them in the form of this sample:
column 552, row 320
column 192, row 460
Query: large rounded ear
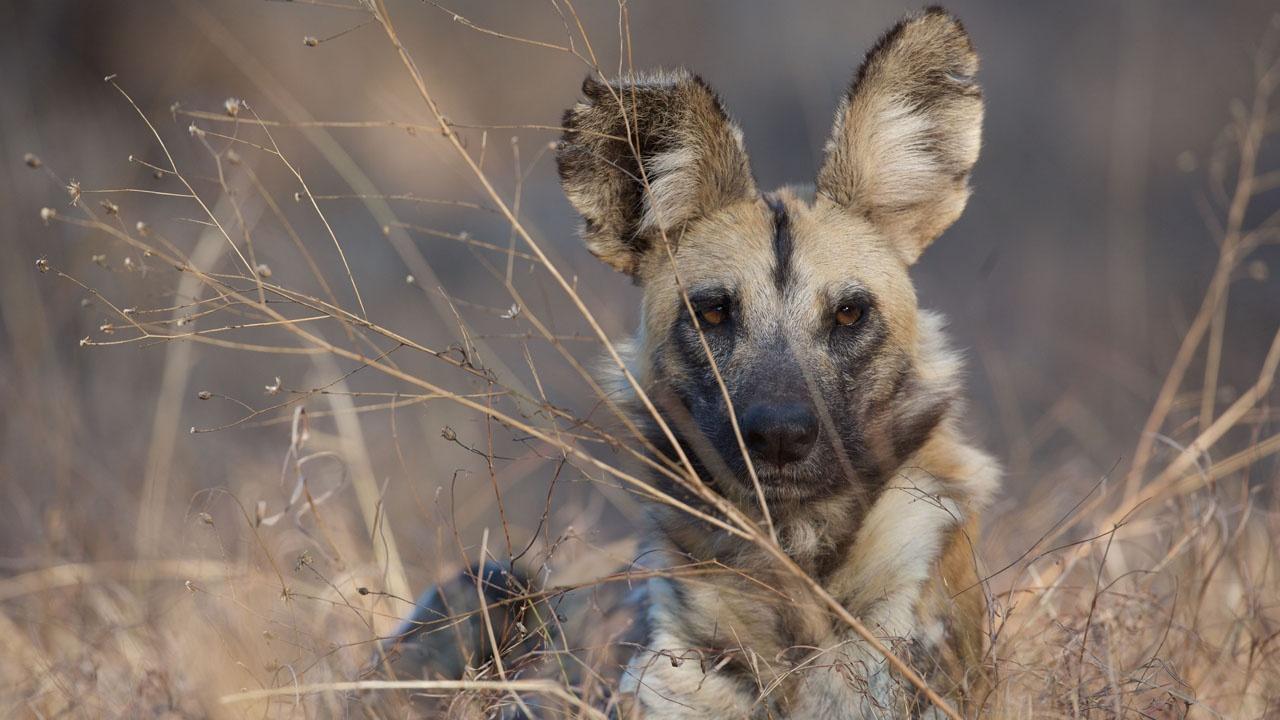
column 907, row 132
column 640, row 159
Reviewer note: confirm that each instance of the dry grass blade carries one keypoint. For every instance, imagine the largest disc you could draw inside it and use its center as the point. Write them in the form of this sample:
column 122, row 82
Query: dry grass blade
column 72, row 575
column 539, row 687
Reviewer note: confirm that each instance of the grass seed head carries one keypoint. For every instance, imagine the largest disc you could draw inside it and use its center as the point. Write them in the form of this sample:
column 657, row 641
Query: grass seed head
column 1258, row 271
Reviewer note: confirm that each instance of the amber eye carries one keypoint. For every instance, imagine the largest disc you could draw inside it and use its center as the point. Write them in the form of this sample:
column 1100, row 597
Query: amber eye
column 713, row 315
column 848, row 314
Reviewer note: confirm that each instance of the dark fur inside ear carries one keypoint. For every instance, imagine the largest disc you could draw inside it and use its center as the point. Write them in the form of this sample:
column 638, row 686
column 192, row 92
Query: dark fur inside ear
column 641, row 158
column 908, row 131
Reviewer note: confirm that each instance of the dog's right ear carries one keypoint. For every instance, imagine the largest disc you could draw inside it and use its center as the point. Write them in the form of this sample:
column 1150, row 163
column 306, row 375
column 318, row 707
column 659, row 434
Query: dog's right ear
column 640, row 159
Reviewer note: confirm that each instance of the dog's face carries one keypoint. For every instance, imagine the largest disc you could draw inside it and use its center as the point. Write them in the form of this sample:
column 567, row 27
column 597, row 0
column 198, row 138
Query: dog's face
column 810, row 318
column 801, row 302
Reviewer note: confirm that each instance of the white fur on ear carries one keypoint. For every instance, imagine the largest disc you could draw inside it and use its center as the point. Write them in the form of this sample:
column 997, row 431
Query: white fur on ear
column 673, row 189
column 907, row 133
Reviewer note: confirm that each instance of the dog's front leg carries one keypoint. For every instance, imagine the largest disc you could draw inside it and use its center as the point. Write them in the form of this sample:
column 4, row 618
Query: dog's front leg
column 671, row 679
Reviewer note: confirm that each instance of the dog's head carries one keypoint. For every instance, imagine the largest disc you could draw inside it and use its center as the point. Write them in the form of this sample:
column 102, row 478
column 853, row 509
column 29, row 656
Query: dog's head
column 803, row 299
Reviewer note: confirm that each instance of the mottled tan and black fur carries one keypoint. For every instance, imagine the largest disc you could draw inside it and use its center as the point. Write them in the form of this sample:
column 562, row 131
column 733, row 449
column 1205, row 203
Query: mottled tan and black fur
column 846, row 392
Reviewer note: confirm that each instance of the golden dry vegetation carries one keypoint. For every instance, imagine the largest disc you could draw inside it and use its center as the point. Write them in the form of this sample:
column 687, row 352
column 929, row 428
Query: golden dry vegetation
column 374, row 427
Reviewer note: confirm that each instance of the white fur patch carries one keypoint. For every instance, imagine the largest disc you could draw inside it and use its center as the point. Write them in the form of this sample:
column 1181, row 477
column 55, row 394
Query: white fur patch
column 673, row 189
column 906, row 171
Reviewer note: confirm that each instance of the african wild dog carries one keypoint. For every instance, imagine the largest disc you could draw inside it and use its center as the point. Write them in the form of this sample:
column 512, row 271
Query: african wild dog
column 846, row 392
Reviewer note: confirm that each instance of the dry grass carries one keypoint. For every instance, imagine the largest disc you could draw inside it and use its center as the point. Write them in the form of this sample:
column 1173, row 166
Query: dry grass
column 1152, row 593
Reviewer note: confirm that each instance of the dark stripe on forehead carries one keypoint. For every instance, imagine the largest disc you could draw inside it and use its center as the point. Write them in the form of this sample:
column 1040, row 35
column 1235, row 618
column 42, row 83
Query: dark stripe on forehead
column 782, row 241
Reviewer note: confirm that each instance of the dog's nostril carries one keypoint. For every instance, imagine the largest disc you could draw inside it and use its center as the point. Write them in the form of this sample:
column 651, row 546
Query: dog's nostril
column 780, row 433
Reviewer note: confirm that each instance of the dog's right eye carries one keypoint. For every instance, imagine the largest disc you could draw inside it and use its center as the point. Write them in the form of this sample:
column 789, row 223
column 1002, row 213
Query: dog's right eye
column 712, row 308
column 714, row 314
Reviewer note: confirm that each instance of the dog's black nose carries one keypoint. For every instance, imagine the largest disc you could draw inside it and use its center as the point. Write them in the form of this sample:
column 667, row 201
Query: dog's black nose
column 780, row 433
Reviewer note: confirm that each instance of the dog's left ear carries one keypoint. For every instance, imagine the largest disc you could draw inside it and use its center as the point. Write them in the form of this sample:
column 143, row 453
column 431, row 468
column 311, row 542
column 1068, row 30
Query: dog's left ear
column 907, row 133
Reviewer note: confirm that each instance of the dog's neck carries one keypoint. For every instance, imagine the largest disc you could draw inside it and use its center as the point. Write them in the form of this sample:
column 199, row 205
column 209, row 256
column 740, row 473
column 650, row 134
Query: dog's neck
column 874, row 560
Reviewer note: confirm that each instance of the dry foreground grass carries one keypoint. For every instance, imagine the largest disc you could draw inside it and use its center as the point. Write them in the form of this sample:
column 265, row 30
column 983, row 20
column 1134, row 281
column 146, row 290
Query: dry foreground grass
column 1156, row 594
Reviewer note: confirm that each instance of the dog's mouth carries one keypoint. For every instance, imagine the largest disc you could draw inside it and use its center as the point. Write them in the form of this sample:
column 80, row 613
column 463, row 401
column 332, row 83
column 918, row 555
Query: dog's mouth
column 808, row 479
column 790, row 491
column 822, row 472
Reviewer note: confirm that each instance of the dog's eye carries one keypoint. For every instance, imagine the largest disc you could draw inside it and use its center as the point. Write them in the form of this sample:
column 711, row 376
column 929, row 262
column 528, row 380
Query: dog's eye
column 848, row 314
column 714, row 314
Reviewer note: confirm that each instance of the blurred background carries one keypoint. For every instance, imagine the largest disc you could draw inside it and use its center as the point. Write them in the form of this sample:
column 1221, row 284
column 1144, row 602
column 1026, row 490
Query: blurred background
column 1069, row 281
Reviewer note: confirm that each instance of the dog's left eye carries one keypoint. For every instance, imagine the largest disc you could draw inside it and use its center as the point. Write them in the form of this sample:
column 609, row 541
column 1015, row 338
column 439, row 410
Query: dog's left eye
column 848, row 314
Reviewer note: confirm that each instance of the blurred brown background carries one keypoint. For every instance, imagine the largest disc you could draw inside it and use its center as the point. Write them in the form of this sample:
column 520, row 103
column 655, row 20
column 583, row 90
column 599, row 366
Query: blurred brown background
column 1069, row 280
